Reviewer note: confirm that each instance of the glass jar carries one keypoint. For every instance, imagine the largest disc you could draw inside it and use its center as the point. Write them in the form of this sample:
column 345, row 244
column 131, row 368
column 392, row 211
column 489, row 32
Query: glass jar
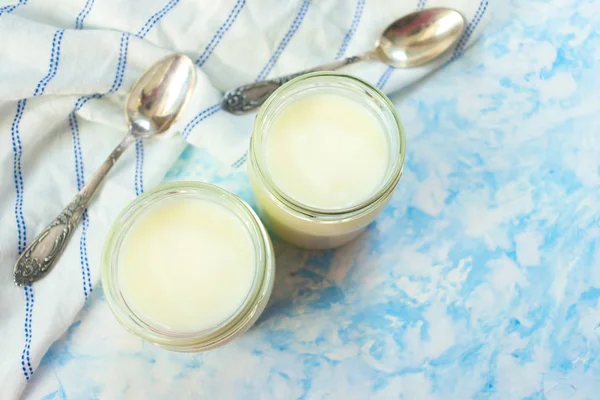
column 300, row 224
column 237, row 323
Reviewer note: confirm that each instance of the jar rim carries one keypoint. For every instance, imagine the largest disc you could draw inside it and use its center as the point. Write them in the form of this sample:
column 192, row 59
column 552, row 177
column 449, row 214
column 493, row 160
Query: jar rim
column 240, row 320
column 306, row 211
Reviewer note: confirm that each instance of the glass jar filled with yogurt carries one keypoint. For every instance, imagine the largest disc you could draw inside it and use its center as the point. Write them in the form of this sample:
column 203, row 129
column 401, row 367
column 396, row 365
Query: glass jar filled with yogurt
column 325, row 156
column 188, row 266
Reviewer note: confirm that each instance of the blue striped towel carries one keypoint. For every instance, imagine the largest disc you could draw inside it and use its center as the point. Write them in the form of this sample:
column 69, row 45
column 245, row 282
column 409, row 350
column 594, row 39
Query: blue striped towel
column 65, row 71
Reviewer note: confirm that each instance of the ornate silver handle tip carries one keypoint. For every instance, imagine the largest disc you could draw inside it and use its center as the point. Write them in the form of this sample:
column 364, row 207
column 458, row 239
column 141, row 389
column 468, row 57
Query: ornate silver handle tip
column 250, row 97
column 43, row 252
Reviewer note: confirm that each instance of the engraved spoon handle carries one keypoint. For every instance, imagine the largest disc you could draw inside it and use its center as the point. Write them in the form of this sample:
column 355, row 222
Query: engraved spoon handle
column 43, row 251
column 249, row 97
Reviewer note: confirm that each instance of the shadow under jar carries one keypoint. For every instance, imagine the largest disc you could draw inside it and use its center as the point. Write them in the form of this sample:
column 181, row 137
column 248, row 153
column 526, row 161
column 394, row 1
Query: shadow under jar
column 326, row 154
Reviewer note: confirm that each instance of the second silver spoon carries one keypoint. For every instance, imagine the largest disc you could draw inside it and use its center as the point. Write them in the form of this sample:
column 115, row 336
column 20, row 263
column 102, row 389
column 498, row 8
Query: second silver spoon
column 410, row 41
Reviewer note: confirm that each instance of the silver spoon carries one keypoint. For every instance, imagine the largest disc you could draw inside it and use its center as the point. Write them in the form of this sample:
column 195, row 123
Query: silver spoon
column 410, row 41
column 154, row 104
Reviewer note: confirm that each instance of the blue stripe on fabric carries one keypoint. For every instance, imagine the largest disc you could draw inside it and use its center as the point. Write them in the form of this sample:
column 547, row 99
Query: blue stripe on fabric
column 24, row 366
column 12, row 7
column 358, row 12
column 202, row 58
column 83, row 255
column 25, row 354
column 201, row 116
column 21, row 228
column 20, row 190
column 383, row 79
column 481, row 9
column 155, row 18
column 121, row 63
column 18, row 175
column 139, row 167
column 284, row 42
column 296, row 22
column 53, row 65
column 83, row 14
column 74, row 125
column 79, row 171
column 139, row 155
column 78, row 156
column 216, row 39
column 240, row 161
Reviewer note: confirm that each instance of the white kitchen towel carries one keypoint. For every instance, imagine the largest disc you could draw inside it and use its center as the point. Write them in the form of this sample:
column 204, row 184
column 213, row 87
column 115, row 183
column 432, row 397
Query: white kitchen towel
column 65, row 69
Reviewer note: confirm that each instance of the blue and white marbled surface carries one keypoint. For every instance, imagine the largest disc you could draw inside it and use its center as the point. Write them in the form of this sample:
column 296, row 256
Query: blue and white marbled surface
column 480, row 280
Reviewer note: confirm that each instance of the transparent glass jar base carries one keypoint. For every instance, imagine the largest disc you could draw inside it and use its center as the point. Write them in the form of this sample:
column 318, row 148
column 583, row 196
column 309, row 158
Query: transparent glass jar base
column 237, row 323
column 304, row 236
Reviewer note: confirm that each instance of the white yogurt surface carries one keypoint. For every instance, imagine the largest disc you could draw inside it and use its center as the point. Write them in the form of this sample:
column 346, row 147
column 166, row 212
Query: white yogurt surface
column 327, row 151
column 186, row 265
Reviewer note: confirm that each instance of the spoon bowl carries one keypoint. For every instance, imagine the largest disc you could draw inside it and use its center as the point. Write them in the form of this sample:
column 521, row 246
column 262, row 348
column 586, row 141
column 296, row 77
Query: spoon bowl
column 420, row 37
column 157, row 99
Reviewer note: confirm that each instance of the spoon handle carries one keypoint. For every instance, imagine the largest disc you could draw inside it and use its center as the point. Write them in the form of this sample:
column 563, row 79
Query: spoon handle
column 249, row 97
column 43, row 251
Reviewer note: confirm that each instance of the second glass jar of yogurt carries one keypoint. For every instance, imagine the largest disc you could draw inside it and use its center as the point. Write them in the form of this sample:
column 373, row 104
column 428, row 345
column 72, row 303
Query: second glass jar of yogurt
column 326, row 154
